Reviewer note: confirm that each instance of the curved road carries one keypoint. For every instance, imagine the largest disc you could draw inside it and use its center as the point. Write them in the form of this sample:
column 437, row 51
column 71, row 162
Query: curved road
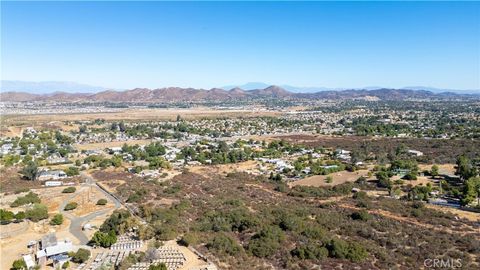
column 78, row 222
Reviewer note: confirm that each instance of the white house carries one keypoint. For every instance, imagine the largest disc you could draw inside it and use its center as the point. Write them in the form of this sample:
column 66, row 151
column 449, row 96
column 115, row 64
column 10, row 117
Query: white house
column 415, row 153
column 51, row 175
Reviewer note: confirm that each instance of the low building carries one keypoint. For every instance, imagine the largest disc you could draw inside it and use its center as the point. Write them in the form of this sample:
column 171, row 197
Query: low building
column 51, row 175
column 51, row 248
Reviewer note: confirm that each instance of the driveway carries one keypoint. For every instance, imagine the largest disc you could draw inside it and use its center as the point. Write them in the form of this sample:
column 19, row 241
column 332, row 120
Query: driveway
column 77, row 223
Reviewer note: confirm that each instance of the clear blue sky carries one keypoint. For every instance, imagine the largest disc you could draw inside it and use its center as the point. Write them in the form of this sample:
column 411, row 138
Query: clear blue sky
column 209, row 44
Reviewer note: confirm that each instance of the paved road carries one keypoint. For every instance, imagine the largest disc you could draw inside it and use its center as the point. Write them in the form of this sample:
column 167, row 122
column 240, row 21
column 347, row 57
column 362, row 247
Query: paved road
column 78, row 222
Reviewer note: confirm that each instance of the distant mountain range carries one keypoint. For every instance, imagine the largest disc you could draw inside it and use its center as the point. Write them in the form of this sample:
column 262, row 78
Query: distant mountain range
column 177, row 94
column 313, row 89
column 48, row 87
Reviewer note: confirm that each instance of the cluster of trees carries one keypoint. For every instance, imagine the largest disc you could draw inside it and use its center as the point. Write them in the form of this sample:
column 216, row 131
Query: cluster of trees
column 36, row 213
column 468, row 172
column 6, row 217
column 30, row 198
column 119, row 222
column 99, row 161
column 102, row 239
column 72, row 171
column 321, row 192
column 80, row 256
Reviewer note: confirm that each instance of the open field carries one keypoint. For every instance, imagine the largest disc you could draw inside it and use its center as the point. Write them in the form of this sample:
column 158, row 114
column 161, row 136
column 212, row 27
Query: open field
column 246, row 166
column 134, row 114
column 337, row 178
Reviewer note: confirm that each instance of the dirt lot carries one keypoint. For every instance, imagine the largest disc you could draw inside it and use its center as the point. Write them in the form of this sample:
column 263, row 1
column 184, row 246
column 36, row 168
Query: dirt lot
column 338, row 178
column 247, row 166
column 87, row 201
column 10, row 131
column 135, row 114
column 10, row 181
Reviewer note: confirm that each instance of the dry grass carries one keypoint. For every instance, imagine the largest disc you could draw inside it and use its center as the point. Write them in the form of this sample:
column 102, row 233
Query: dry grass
column 338, row 178
column 134, row 114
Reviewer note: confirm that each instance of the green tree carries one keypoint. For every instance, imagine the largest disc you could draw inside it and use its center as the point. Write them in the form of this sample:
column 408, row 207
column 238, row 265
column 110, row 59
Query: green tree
column 57, row 220
column 20, row 216
column 465, row 168
column 104, row 239
column 434, row 171
column 160, row 266
column 37, row 213
column 81, row 255
column 19, row 265
column 27, row 199
column 383, row 179
column 70, row 206
column 30, row 170
column 6, row 216
column 223, row 243
column 69, row 190
column 471, row 191
column 71, row 171
column 102, row 202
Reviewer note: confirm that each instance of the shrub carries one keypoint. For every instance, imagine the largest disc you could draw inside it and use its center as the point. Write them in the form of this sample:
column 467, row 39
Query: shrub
column 20, row 216
column 6, row 216
column 21, row 190
column 70, row 206
column 361, row 215
column 310, row 252
column 172, row 189
column 81, row 255
column 188, row 239
column 115, row 221
column 71, row 171
column 314, row 232
column 102, row 202
column 57, row 220
column 361, row 195
column 266, row 242
column 340, row 249
column 37, row 213
column 160, row 266
column 19, row 265
column 225, row 244
column 69, row 190
column 27, row 199
column 329, row 179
